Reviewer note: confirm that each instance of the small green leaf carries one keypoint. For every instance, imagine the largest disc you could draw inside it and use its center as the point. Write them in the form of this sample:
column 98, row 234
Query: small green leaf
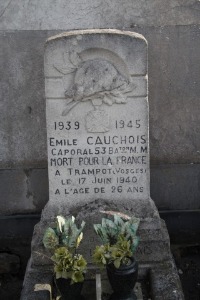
column 50, row 239
column 117, row 263
column 77, row 276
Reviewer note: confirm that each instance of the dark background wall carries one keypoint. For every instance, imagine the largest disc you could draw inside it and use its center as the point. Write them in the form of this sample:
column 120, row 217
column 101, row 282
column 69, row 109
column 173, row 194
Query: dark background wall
column 172, row 29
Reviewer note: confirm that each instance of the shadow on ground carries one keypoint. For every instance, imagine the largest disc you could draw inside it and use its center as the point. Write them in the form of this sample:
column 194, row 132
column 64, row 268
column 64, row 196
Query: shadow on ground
column 188, row 265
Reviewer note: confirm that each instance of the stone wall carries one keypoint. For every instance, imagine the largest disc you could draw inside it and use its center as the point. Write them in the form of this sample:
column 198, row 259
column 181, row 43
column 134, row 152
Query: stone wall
column 172, row 29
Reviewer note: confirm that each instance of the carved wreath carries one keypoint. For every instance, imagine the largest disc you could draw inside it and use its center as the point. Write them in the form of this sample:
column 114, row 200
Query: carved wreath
column 97, row 80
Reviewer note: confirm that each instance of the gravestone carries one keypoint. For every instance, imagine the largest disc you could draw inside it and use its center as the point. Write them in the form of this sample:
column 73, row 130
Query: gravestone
column 97, row 118
column 96, row 88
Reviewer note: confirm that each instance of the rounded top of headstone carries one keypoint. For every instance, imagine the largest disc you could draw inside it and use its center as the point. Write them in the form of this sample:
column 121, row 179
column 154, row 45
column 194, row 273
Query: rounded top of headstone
column 126, row 50
column 98, row 31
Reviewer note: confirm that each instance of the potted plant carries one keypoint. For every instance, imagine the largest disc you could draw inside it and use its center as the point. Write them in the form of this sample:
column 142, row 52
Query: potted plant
column 69, row 267
column 116, row 253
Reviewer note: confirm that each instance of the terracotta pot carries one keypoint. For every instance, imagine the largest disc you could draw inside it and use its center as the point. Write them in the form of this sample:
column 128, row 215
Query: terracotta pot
column 123, row 280
column 69, row 291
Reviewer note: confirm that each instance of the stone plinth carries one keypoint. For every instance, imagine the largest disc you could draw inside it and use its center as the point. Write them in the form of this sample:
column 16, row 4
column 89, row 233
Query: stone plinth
column 97, row 118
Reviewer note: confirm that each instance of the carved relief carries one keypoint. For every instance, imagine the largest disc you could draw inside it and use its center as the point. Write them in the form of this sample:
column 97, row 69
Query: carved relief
column 99, row 81
column 97, row 121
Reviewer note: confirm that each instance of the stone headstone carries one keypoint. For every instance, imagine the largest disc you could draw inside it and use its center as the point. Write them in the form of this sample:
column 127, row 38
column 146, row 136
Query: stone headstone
column 98, row 131
column 97, row 118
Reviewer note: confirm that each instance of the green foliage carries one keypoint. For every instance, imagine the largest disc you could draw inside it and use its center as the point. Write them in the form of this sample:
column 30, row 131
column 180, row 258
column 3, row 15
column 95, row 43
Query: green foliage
column 50, row 239
column 101, row 255
column 118, row 254
column 119, row 241
column 63, row 240
column 65, row 233
column 109, row 230
column 67, row 265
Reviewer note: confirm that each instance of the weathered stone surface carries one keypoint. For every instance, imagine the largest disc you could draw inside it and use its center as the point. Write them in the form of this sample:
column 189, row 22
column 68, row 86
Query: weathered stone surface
column 168, row 96
column 28, row 46
column 9, row 263
column 165, row 282
column 154, row 240
column 13, row 187
column 36, row 15
column 163, row 276
column 174, row 93
column 181, row 144
column 176, row 187
column 38, row 182
column 23, row 190
column 35, row 277
column 97, row 118
column 171, row 184
column 171, row 187
column 22, row 133
column 154, row 246
column 37, row 247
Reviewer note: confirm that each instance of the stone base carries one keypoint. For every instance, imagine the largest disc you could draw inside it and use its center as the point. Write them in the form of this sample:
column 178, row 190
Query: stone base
column 153, row 253
column 35, row 276
column 141, row 208
column 163, row 278
column 154, row 240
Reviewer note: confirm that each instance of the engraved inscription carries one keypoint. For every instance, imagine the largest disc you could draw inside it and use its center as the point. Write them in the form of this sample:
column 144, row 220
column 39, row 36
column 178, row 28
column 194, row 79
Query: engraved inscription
column 106, row 164
column 97, row 121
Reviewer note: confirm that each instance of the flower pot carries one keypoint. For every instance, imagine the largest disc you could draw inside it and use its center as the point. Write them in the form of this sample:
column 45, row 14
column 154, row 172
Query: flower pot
column 123, row 280
column 69, row 291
